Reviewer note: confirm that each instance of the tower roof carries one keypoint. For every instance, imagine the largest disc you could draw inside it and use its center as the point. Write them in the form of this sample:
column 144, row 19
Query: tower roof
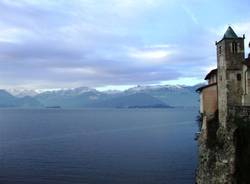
column 230, row 33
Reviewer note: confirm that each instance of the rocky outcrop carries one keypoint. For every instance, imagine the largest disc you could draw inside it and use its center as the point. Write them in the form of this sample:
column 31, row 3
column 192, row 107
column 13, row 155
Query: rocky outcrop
column 224, row 152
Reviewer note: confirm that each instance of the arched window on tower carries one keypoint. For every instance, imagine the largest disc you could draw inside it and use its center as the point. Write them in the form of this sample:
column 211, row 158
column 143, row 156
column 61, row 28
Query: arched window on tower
column 234, row 47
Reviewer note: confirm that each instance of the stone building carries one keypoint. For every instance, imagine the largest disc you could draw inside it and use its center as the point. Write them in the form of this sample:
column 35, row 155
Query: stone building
column 230, row 81
column 224, row 108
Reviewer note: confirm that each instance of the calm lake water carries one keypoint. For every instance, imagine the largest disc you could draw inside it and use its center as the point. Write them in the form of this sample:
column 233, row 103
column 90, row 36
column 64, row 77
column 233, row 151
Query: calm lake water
column 97, row 146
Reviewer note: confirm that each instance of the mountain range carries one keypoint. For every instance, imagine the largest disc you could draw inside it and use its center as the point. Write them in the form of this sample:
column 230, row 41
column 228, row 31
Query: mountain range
column 161, row 96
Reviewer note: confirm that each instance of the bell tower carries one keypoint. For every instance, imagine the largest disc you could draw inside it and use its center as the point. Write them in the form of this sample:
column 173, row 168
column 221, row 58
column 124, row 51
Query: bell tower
column 230, row 57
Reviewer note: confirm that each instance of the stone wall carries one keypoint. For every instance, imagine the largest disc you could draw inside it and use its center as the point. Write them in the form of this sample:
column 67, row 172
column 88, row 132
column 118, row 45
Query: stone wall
column 242, row 112
column 230, row 67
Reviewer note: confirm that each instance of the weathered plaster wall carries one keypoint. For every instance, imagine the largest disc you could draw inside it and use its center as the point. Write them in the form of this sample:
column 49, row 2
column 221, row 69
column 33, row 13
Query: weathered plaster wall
column 213, row 79
column 209, row 100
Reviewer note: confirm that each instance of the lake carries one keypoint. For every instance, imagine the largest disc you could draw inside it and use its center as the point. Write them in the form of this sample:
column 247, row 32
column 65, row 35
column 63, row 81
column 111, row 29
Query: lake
column 98, row 146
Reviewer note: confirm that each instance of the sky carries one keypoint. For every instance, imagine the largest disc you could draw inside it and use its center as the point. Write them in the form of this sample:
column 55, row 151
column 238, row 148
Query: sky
column 113, row 44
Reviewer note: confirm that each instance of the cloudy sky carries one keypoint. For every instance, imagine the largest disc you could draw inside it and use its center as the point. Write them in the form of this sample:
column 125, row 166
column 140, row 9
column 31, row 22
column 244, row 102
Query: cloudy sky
column 112, row 44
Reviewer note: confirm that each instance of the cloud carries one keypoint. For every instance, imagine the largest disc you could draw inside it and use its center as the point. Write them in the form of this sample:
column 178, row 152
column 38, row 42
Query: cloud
column 152, row 54
column 145, row 55
column 57, row 44
column 84, row 71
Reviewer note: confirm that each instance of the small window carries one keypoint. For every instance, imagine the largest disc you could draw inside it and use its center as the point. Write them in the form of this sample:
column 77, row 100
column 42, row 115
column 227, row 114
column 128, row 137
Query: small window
column 238, row 48
column 219, row 49
column 238, row 77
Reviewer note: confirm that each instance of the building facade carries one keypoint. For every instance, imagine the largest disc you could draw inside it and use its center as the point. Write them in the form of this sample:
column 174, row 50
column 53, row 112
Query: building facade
column 224, row 141
column 229, row 84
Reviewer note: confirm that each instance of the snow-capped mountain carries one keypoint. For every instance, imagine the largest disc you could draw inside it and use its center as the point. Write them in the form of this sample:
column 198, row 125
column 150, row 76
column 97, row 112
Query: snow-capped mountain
column 140, row 88
column 8, row 100
column 163, row 95
column 71, row 91
column 22, row 92
column 174, row 95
